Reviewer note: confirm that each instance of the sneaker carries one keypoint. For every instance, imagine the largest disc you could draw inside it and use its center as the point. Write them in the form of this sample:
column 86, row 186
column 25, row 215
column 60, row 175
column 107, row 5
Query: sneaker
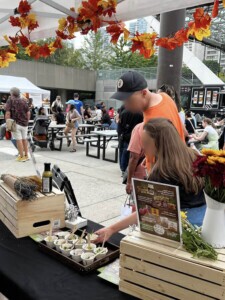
column 26, row 157
column 21, row 159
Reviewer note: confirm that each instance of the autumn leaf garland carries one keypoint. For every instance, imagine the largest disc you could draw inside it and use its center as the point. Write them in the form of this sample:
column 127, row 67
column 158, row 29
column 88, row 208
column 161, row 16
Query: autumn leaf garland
column 91, row 15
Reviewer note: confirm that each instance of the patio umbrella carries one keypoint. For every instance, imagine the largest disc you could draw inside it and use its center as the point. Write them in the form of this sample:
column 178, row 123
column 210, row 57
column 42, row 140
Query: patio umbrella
column 49, row 11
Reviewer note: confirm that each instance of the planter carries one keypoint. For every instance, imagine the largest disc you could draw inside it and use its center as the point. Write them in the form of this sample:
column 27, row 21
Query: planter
column 213, row 228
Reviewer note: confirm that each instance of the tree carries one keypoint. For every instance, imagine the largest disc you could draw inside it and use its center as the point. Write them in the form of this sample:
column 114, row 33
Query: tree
column 95, row 51
column 213, row 65
column 122, row 57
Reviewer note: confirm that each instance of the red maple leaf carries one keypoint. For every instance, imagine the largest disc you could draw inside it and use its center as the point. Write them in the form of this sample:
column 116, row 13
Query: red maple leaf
column 215, row 10
column 24, row 41
column 44, row 51
column 201, row 19
column 61, row 34
column 115, row 30
column 15, row 21
column 58, row 43
column 14, row 39
column 24, row 7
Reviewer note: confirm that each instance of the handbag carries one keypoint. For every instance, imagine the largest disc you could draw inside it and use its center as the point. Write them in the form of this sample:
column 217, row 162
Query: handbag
column 10, row 125
column 126, row 208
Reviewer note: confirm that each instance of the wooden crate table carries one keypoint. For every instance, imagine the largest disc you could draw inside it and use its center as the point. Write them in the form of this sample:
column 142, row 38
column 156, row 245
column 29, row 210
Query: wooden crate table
column 28, row 217
column 157, row 269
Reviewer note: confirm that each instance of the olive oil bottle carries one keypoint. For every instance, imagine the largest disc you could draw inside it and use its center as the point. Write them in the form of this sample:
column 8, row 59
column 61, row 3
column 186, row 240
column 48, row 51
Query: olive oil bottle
column 47, row 179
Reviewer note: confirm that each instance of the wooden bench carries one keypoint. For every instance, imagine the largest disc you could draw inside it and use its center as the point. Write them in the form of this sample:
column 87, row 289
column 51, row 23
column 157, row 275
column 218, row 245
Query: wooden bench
column 158, row 269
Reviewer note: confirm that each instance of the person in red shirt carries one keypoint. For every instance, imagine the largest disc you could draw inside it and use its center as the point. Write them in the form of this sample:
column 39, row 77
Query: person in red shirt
column 111, row 112
column 132, row 88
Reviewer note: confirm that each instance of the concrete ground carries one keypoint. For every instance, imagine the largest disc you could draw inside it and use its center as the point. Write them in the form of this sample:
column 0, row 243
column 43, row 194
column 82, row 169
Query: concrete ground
column 96, row 183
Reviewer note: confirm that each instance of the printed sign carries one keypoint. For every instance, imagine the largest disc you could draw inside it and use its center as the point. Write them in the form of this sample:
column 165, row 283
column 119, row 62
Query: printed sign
column 158, row 207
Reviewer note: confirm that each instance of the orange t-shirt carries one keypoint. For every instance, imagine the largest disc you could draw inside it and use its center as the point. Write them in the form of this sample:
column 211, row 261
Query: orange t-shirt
column 165, row 109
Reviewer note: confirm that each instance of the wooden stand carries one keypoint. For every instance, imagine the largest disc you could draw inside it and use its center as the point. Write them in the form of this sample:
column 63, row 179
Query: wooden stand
column 24, row 218
column 156, row 269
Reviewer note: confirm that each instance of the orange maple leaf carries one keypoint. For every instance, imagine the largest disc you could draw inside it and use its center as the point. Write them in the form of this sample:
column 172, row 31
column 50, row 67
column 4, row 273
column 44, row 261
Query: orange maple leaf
column 115, row 30
column 145, row 43
column 89, row 10
column 215, row 10
column 33, row 51
column 201, row 19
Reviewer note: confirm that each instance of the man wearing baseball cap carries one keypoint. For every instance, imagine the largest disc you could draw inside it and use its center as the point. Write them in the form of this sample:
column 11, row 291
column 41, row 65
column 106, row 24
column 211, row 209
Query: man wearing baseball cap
column 132, row 88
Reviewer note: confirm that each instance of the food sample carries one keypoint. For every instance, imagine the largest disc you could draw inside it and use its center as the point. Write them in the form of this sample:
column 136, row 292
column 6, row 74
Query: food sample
column 89, row 247
column 58, row 243
column 66, row 248
column 87, row 258
column 100, row 252
column 50, row 239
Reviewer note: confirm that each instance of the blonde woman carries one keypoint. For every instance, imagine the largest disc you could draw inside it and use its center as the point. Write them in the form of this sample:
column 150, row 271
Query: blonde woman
column 72, row 125
column 173, row 165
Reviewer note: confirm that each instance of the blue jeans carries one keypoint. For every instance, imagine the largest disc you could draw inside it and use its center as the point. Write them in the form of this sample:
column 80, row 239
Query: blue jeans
column 195, row 215
column 124, row 156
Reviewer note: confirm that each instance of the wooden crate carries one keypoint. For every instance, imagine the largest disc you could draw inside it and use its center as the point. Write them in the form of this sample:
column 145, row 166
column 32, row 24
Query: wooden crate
column 156, row 269
column 28, row 217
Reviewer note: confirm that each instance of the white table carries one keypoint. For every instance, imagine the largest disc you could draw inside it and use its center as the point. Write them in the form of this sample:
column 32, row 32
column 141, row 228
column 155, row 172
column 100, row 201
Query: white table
column 106, row 136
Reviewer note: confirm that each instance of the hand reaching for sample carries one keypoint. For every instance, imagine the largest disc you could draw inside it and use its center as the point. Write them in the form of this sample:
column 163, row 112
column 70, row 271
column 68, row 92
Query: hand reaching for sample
column 104, row 234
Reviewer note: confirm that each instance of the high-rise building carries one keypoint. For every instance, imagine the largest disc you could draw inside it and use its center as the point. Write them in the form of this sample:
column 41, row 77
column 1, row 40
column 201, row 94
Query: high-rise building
column 140, row 25
column 215, row 55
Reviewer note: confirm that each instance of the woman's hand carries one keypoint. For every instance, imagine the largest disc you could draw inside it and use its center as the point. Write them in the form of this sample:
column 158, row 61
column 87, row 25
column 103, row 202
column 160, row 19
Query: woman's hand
column 104, row 234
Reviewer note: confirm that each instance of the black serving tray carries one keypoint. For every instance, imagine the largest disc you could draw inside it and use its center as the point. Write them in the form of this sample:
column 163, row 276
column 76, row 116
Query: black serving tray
column 113, row 253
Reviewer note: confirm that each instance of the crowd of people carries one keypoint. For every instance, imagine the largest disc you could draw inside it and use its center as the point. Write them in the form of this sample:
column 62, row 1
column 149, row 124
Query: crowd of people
column 157, row 139
column 159, row 149
column 22, row 110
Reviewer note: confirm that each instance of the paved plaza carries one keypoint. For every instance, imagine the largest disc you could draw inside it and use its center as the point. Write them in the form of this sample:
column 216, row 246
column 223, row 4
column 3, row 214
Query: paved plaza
column 96, row 183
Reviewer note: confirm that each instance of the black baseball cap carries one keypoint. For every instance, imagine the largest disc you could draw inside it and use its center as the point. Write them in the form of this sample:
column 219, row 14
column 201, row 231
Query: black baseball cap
column 129, row 83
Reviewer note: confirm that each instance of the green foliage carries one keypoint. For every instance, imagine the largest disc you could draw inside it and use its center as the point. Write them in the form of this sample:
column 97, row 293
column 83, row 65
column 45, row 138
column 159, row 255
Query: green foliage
column 213, row 65
column 95, row 51
column 122, row 57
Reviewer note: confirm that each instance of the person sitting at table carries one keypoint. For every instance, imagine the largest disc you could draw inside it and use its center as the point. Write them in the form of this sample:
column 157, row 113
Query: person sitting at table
column 105, row 121
column 173, row 165
column 72, row 125
column 87, row 113
column 210, row 133
column 189, row 123
column 59, row 116
column 41, row 111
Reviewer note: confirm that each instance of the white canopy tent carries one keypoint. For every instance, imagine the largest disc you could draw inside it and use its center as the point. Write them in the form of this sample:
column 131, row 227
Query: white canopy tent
column 49, row 11
column 25, row 86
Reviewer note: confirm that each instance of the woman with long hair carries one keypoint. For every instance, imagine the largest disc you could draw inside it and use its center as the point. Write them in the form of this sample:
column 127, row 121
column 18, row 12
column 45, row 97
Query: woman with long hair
column 72, row 125
column 172, row 165
column 209, row 133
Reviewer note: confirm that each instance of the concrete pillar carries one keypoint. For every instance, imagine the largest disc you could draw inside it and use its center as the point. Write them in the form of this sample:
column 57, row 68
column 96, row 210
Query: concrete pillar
column 170, row 62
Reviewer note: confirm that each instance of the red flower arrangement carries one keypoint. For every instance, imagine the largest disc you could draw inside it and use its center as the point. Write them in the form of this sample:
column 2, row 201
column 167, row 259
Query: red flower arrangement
column 211, row 167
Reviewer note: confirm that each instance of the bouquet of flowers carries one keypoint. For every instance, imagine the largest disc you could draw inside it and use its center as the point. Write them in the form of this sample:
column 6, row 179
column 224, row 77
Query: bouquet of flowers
column 193, row 241
column 211, row 166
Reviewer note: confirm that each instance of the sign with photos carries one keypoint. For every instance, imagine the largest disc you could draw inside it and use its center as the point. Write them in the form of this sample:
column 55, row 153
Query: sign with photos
column 158, row 209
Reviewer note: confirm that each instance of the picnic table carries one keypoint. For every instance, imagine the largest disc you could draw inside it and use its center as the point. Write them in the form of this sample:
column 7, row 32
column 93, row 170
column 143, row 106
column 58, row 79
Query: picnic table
column 102, row 138
column 54, row 130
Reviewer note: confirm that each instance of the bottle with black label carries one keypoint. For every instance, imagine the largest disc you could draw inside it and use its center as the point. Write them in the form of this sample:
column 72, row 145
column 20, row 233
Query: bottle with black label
column 47, row 179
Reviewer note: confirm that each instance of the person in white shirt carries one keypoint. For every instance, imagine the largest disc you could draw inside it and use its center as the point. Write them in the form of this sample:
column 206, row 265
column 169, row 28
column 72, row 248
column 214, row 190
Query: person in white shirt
column 210, row 133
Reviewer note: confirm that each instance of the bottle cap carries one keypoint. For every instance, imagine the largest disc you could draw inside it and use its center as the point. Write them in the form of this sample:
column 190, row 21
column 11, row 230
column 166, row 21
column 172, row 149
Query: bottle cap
column 47, row 167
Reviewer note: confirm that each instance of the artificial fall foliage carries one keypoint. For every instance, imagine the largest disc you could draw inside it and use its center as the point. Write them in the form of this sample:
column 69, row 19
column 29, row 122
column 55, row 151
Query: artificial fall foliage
column 91, row 15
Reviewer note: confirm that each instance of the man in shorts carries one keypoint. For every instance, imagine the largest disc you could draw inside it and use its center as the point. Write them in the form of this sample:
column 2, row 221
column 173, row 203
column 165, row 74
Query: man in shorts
column 18, row 110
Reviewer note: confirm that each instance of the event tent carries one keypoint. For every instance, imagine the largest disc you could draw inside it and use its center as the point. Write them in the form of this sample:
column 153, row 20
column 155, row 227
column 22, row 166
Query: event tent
column 25, row 86
column 49, row 11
